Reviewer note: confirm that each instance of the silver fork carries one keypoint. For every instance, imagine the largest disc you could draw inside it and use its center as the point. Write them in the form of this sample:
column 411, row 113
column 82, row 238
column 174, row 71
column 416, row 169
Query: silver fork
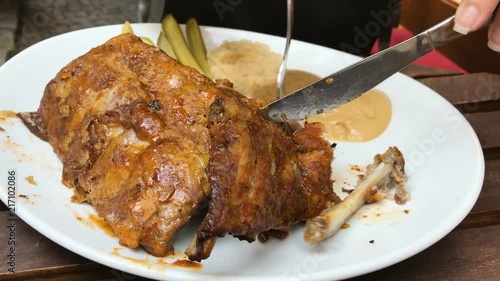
column 150, row 10
column 280, row 82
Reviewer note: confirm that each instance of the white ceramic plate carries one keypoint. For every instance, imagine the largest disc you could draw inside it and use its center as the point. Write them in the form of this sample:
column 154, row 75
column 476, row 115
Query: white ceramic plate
column 444, row 161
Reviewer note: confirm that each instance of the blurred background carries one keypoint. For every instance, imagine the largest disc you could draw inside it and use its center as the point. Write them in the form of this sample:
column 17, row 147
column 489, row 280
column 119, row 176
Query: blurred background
column 26, row 22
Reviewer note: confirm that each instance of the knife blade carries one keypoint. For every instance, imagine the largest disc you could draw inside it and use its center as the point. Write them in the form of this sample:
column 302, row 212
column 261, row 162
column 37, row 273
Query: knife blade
column 353, row 81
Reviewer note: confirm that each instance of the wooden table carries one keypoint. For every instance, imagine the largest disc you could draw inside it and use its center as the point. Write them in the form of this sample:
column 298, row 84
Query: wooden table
column 470, row 252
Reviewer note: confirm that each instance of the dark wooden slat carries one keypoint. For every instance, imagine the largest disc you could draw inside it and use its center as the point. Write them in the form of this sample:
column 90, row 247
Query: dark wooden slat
column 469, row 93
column 463, row 255
column 83, row 272
column 489, row 199
column 33, row 250
column 491, row 153
column 417, row 72
column 3, row 207
column 481, row 219
column 467, row 254
column 483, row 106
column 487, row 127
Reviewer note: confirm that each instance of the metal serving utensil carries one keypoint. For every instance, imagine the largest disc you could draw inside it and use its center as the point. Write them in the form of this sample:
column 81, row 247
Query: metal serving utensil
column 150, row 10
column 355, row 80
column 280, row 82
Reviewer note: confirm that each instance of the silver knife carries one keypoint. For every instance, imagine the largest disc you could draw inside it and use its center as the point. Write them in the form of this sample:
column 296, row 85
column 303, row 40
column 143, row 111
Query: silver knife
column 353, row 81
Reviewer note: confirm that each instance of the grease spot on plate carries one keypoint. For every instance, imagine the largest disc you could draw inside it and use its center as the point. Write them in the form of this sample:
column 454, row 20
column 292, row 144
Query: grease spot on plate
column 30, row 179
column 143, row 261
column 5, row 115
column 9, row 144
column 180, row 260
column 371, row 215
column 100, row 223
column 187, row 264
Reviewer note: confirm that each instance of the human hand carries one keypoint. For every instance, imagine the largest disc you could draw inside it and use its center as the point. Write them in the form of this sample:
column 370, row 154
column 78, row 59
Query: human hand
column 471, row 14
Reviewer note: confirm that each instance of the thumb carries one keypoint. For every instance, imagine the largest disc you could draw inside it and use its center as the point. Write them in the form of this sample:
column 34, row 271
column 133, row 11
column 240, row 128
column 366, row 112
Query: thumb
column 494, row 34
column 471, row 14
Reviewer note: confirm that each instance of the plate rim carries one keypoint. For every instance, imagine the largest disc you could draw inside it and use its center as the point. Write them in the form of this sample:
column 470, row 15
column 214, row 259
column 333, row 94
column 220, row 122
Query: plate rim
column 411, row 250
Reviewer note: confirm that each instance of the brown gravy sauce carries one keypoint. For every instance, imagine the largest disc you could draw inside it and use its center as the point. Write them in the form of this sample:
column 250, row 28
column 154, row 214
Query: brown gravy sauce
column 100, row 223
column 360, row 120
column 4, row 114
column 187, row 264
column 160, row 261
column 295, row 79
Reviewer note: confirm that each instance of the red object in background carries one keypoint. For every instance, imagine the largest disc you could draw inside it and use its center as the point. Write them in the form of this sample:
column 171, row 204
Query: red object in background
column 432, row 59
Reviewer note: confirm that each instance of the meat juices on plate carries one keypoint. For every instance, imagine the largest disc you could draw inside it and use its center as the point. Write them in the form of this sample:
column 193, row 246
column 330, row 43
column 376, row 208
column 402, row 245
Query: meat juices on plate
column 146, row 140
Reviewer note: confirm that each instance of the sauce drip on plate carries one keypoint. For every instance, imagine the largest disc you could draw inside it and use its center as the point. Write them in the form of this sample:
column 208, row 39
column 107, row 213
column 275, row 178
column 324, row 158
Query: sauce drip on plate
column 187, row 264
column 362, row 119
column 101, row 223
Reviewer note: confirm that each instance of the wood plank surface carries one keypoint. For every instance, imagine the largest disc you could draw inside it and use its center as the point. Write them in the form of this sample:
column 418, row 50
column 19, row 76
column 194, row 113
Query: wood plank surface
column 83, row 272
column 487, row 127
column 489, row 199
column 463, row 255
column 481, row 219
column 33, row 250
column 469, row 93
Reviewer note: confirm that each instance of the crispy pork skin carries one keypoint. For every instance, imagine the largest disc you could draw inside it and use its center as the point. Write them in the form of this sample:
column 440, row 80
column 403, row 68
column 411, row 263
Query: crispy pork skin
column 146, row 140
column 129, row 124
column 262, row 178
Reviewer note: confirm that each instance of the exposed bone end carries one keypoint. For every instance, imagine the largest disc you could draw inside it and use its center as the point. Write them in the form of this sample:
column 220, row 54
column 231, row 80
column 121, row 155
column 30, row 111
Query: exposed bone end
column 200, row 249
column 387, row 170
column 316, row 229
column 396, row 178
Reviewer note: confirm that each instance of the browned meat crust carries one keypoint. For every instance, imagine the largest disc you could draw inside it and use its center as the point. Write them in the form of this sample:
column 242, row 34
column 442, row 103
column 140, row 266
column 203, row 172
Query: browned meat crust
column 131, row 127
column 34, row 123
column 261, row 177
column 129, row 124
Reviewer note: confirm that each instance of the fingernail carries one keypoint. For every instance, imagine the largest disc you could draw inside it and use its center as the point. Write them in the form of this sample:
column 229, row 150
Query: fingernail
column 465, row 18
column 494, row 33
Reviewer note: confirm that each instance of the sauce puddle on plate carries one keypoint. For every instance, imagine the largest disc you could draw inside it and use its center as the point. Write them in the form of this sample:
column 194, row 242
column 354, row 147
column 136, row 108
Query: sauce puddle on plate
column 360, row 120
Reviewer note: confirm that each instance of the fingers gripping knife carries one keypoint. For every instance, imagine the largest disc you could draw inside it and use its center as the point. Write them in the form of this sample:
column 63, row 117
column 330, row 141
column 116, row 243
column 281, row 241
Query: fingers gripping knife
column 353, row 81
